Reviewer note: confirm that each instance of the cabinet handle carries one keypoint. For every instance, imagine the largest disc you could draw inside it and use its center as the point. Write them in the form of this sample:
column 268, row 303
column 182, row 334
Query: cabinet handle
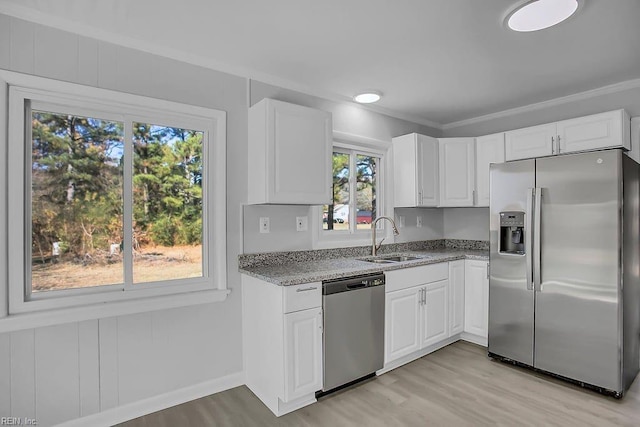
column 488, row 271
column 420, row 197
column 424, row 296
column 313, row 288
column 553, row 145
column 558, row 142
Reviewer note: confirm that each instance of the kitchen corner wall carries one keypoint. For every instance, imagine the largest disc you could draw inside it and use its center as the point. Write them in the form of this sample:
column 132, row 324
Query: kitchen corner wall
column 348, row 118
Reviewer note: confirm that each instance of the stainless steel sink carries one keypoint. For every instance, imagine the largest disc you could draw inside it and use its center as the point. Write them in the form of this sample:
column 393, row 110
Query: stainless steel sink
column 400, row 258
column 379, row 261
column 389, row 259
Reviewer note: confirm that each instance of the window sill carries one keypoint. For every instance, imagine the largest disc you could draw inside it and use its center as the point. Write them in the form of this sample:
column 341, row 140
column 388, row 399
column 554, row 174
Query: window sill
column 15, row 322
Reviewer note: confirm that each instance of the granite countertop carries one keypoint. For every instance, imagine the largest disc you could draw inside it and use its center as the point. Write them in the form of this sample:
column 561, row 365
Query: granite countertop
column 306, row 271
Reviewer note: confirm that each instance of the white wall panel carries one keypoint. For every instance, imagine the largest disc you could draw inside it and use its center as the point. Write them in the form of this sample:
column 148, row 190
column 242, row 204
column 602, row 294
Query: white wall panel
column 108, row 357
column 87, row 61
column 89, row 367
column 107, row 65
column 138, row 360
column 22, row 46
column 134, row 72
column 23, row 399
column 5, row 41
column 56, row 53
column 5, row 374
column 56, row 373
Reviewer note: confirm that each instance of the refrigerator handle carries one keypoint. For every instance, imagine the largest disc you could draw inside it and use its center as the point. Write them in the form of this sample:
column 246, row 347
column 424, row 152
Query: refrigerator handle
column 528, row 234
column 537, row 279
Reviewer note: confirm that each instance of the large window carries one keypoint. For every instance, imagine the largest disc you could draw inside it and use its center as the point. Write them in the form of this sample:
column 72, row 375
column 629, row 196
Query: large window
column 112, row 196
column 356, row 192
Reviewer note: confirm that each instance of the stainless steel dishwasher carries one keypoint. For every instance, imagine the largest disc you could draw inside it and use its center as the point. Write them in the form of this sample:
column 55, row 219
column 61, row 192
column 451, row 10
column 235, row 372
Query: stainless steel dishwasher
column 353, row 328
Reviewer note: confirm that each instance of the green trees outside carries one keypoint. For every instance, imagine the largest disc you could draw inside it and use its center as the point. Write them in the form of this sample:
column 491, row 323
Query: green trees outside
column 77, row 185
column 366, row 170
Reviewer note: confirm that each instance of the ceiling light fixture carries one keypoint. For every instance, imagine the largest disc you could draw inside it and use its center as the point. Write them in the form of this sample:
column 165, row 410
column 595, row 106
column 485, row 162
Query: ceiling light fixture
column 540, row 14
column 368, row 97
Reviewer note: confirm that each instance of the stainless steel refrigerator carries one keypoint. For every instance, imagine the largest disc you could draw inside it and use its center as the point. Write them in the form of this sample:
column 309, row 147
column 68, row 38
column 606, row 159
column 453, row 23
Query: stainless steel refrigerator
column 564, row 287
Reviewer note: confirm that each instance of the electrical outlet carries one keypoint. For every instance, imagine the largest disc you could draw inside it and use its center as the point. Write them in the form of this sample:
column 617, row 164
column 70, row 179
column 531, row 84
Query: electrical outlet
column 264, row 224
column 419, row 221
column 302, row 223
column 401, row 221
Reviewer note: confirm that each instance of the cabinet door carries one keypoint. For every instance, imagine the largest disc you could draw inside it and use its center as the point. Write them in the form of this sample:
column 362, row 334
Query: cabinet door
column 476, row 299
column 435, row 315
column 594, row 132
column 299, row 170
column 489, row 149
column 536, row 141
column 427, row 171
column 402, row 321
column 303, row 353
column 457, row 171
column 456, row 297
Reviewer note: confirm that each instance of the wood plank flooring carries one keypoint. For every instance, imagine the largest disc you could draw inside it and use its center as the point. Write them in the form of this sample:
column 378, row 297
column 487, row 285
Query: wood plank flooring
column 455, row 386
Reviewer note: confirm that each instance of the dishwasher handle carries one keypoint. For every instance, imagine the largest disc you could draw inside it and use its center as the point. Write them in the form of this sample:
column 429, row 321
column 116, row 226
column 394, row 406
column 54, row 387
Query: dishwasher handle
column 356, row 286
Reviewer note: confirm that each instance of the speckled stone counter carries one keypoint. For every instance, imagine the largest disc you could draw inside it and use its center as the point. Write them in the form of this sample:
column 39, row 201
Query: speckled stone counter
column 285, row 268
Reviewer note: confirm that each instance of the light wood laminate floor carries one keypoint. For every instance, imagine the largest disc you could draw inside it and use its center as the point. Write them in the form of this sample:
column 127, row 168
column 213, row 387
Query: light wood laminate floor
column 455, row 386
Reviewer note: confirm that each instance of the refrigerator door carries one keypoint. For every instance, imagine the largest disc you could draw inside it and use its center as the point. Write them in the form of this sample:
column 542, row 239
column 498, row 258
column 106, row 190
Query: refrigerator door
column 511, row 296
column 577, row 333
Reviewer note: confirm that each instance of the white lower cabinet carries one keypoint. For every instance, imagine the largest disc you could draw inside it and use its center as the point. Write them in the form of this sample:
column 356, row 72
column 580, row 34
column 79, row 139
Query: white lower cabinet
column 402, row 320
column 282, row 339
column 416, row 309
column 456, row 296
column 303, row 353
column 476, row 301
column 435, row 313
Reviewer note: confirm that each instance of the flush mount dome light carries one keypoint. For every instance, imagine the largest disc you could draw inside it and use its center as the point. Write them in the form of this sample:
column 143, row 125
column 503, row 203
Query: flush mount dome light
column 368, row 97
column 540, row 14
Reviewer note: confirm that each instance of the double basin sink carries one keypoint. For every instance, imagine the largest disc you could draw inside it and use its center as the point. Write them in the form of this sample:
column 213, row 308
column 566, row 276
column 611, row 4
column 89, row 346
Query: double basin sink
column 390, row 259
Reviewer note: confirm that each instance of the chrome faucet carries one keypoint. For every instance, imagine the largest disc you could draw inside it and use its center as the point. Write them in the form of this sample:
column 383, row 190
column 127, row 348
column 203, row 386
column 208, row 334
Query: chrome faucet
column 375, row 248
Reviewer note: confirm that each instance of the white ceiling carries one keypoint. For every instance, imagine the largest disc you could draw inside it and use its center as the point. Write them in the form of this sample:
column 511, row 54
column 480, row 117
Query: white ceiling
column 440, row 61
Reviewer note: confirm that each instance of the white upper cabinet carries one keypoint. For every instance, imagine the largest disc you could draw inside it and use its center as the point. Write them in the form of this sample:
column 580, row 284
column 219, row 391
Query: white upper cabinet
column 536, row 141
column 605, row 130
column 595, row 132
column 290, row 150
column 489, row 149
column 415, row 170
column 457, row 171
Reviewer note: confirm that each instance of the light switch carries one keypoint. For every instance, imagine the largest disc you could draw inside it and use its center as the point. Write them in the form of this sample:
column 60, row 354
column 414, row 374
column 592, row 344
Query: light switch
column 264, row 224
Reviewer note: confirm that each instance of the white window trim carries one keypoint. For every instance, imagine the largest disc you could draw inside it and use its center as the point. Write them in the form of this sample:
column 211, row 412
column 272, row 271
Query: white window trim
column 323, row 239
column 88, row 303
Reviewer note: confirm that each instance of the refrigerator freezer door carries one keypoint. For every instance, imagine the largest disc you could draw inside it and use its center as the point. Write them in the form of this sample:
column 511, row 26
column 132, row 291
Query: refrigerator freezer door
column 577, row 329
column 510, row 302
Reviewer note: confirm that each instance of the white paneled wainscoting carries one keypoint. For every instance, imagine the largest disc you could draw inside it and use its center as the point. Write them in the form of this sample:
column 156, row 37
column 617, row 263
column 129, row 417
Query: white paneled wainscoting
column 106, row 371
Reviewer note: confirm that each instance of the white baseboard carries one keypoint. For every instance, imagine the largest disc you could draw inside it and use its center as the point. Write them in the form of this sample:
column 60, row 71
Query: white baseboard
column 416, row 355
column 142, row 407
column 475, row 339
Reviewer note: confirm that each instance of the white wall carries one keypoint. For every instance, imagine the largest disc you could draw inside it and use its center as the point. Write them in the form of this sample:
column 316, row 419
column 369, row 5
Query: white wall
column 66, row 371
column 432, row 224
column 466, row 223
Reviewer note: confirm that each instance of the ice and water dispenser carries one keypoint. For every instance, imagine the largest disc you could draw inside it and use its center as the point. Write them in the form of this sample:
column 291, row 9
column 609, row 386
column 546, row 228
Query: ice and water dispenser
column 512, row 233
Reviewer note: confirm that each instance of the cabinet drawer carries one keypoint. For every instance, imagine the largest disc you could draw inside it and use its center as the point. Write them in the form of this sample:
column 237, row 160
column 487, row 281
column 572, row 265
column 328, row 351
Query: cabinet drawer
column 302, row 297
column 408, row 277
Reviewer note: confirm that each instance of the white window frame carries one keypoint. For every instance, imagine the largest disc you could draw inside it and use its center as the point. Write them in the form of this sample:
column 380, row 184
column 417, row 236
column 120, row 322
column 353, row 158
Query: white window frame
column 102, row 301
column 356, row 145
